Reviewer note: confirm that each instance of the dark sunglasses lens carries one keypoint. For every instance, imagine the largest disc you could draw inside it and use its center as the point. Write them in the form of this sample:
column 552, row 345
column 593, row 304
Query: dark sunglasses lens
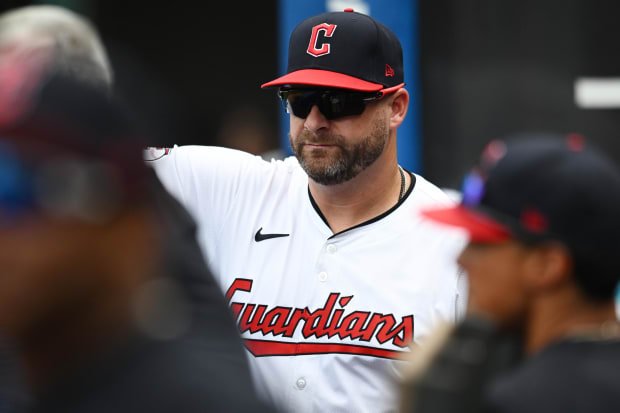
column 301, row 102
column 338, row 105
column 332, row 105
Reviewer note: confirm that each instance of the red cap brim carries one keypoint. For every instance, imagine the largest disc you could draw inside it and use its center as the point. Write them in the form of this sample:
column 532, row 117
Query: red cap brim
column 480, row 227
column 324, row 78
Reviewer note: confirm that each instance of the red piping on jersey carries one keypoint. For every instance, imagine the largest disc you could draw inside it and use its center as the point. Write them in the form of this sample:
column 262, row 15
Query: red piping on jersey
column 261, row 348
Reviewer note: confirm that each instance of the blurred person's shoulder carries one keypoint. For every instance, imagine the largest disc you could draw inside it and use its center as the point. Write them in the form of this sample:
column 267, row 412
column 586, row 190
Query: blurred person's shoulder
column 547, row 381
column 154, row 376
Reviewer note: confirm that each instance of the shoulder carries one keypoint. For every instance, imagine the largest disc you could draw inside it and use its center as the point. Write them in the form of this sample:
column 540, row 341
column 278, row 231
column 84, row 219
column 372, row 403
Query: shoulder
column 193, row 153
column 426, row 195
column 546, row 381
column 425, row 192
column 197, row 155
column 194, row 166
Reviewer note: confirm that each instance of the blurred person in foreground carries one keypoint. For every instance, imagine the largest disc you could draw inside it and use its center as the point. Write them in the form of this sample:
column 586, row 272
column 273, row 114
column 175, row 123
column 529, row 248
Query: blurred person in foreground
column 98, row 317
column 541, row 335
column 72, row 47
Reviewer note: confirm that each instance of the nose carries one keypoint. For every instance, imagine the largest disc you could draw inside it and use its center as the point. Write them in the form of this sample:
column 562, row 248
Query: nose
column 315, row 120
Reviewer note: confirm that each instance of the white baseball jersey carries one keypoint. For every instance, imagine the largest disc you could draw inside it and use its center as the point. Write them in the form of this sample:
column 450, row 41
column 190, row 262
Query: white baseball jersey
column 325, row 317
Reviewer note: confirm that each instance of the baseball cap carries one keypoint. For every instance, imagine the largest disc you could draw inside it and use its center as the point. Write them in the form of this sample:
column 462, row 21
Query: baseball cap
column 537, row 187
column 346, row 50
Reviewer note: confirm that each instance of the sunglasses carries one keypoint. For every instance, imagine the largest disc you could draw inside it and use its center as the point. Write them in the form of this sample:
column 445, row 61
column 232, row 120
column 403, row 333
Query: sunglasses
column 332, row 103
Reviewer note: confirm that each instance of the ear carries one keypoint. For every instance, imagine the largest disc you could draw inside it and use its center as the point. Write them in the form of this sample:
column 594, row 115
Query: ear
column 398, row 104
column 548, row 267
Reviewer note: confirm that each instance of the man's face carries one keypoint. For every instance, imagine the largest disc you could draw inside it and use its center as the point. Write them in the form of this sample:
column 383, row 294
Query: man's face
column 495, row 273
column 335, row 151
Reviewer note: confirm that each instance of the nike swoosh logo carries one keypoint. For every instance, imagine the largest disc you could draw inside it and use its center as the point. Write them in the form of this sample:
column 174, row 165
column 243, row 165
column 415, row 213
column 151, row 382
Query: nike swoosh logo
column 262, row 237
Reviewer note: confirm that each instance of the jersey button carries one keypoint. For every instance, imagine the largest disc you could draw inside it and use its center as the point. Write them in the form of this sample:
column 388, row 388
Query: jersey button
column 301, row 383
column 322, row 276
column 331, row 248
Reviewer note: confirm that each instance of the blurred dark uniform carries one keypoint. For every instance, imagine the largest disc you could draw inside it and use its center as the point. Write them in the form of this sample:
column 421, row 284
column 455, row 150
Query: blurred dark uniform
column 205, row 370
column 579, row 374
column 479, row 369
column 189, row 356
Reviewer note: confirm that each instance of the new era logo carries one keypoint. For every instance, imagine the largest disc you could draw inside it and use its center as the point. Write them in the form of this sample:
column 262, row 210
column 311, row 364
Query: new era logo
column 389, row 71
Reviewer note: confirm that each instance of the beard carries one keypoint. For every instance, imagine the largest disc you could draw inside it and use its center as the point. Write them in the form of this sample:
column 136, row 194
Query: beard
column 343, row 161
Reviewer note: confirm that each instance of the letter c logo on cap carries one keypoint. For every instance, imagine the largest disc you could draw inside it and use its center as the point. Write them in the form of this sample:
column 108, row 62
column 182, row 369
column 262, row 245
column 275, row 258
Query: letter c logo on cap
column 328, row 30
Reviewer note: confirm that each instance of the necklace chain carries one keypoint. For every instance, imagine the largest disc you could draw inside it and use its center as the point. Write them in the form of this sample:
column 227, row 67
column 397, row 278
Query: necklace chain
column 402, row 183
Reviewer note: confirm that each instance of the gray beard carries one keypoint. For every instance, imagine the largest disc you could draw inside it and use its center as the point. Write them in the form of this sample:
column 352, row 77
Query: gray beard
column 348, row 161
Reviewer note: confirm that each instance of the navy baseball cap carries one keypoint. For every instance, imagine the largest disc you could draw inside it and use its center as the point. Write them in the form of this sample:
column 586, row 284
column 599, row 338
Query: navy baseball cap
column 61, row 139
column 539, row 187
column 347, row 50
column 41, row 107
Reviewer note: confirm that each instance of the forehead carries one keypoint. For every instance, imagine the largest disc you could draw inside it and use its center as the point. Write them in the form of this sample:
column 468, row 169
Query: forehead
column 502, row 250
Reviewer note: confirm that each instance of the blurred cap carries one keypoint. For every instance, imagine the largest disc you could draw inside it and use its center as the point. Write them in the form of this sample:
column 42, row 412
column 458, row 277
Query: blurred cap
column 53, row 126
column 346, row 50
column 539, row 187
